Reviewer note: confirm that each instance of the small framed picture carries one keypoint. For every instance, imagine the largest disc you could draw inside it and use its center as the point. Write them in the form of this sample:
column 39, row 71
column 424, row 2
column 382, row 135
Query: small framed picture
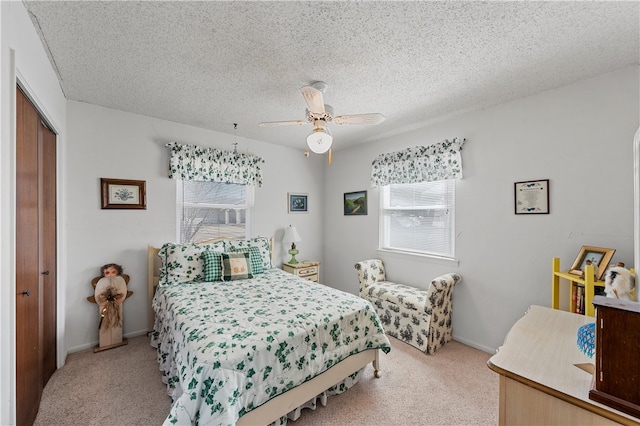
column 297, row 203
column 355, row 203
column 532, row 197
column 597, row 256
column 123, row 194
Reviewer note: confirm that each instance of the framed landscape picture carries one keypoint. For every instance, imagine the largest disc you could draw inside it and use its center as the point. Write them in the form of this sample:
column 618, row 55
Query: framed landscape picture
column 298, row 203
column 355, row 203
column 123, row 194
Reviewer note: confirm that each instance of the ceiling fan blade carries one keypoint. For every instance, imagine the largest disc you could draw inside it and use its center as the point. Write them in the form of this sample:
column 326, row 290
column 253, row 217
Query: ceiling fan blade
column 283, row 123
column 374, row 118
column 313, row 98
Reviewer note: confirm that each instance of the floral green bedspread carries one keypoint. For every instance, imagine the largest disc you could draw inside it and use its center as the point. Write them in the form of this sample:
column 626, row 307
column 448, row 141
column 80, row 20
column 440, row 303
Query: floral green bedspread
column 226, row 348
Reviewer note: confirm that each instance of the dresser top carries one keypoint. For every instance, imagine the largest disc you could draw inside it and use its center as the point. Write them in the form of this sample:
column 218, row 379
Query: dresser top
column 541, row 350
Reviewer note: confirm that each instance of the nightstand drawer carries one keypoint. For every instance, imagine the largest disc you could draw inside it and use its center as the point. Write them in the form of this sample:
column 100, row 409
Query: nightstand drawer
column 308, row 270
column 311, row 270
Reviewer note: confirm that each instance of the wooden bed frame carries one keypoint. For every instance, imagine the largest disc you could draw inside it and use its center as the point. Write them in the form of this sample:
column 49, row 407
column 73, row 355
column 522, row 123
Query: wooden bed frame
column 281, row 405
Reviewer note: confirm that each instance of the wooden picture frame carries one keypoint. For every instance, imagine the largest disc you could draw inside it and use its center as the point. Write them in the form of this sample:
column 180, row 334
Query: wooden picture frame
column 297, row 203
column 355, row 203
column 123, row 194
column 531, row 197
column 599, row 256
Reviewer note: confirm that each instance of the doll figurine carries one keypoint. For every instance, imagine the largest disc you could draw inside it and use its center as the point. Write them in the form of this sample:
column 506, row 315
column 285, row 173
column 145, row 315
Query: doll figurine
column 111, row 290
column 111, row 270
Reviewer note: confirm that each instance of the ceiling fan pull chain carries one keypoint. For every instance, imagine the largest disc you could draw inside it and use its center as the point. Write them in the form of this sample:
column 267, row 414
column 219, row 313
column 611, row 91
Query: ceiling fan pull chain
column 235, row 140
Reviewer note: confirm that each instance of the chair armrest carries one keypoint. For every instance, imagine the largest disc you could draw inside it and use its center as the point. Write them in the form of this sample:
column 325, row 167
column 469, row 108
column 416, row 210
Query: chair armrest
column 370, row 272
column 440, row 292
column 439, row 308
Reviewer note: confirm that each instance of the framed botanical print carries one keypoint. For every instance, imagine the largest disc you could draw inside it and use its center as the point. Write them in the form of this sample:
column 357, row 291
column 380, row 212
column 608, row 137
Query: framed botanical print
column 123, row 194
column 297, row 203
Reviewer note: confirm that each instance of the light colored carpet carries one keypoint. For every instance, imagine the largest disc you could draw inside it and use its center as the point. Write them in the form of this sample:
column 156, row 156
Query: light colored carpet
column 123, row 386
column 120, row 386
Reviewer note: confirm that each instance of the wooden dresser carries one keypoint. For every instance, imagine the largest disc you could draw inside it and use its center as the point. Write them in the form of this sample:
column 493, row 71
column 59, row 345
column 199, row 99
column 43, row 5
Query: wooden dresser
column 540, row 382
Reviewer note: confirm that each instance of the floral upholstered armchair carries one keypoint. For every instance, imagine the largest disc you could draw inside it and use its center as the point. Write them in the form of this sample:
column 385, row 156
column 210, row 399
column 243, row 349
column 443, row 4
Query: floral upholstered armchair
column 421, row 318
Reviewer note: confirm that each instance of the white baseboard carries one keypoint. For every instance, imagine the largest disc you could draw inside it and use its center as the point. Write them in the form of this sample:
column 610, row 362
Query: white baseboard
column 475, row 345
column 96, row 342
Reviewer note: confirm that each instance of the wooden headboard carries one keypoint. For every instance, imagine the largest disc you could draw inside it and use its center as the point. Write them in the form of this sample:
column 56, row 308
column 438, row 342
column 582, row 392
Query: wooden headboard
column 153, row 274
column 153, row 277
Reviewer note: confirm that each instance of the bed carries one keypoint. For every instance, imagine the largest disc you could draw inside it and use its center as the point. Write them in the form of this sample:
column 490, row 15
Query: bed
column 252, row 349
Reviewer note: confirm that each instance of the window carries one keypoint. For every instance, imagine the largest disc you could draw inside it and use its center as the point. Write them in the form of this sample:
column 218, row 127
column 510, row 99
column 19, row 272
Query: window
column 212, row 209
column 418, row 218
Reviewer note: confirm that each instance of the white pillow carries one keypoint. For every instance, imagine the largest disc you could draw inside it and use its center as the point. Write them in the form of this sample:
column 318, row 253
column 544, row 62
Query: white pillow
column 261, row 242
column 182, row 262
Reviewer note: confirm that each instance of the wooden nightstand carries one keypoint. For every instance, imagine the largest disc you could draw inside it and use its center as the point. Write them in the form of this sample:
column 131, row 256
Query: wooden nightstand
column 307, row 270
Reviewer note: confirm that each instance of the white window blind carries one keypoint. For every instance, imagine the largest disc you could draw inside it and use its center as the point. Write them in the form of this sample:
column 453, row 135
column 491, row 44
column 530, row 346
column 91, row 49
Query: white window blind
column 213, row 209
column 419, row 218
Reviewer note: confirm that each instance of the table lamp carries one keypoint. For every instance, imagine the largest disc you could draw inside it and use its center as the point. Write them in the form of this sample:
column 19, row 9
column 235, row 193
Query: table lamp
column 291, row 236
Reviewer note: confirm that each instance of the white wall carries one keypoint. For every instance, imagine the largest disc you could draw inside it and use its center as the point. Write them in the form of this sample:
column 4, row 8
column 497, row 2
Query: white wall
column 22, row 58
column 579, row 136
column 108, row 143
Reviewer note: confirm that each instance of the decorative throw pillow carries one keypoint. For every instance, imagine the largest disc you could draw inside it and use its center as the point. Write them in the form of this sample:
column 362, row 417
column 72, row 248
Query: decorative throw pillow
column 261, row 242
column 182, row 262
column 236, row 266
column 212, row 265
column 257, row 267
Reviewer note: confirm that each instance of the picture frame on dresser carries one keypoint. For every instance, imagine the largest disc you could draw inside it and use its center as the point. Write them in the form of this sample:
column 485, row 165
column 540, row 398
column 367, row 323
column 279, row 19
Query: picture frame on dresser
column 123, row 193
column 600, row 257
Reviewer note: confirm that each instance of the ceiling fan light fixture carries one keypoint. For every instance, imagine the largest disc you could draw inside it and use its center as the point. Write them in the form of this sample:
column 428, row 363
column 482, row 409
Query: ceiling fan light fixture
column 320, row 140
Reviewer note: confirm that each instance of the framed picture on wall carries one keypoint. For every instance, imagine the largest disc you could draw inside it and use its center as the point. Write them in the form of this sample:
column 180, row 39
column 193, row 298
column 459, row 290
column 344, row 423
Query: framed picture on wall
column 123, row 194
column 532, row 197
column 355, row 203
column 297, row 203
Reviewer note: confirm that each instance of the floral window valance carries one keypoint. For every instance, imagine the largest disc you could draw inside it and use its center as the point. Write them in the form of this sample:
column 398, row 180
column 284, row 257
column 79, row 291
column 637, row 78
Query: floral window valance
column 190, row 162
column 419, row 164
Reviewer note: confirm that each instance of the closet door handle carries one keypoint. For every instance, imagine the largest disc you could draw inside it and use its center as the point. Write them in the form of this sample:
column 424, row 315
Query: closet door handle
column 26, row 293
column 45, row 273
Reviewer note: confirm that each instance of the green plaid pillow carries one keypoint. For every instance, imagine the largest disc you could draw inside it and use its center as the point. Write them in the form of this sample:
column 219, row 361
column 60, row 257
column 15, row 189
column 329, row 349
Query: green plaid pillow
column 255, row 257
column 236, row 266
column 212, row 265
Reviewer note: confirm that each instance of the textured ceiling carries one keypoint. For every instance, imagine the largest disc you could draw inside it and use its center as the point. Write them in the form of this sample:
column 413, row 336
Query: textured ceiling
column 212, row 64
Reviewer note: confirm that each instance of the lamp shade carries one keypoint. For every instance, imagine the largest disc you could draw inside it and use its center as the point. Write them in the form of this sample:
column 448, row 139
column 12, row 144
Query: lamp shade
column 320, row 140
column 291, row 235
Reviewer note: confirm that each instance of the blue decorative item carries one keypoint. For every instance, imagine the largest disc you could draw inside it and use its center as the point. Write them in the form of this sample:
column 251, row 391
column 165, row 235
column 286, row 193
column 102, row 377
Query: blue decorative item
column 587, row 339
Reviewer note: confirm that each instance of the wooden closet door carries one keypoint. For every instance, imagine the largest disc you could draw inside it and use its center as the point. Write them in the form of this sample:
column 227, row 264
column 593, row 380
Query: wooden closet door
column 35, row 256
column 28, row 358
column 47, row 245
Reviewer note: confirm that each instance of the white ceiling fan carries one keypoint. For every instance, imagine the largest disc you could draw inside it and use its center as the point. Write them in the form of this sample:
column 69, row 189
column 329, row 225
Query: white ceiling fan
column 319, row 114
